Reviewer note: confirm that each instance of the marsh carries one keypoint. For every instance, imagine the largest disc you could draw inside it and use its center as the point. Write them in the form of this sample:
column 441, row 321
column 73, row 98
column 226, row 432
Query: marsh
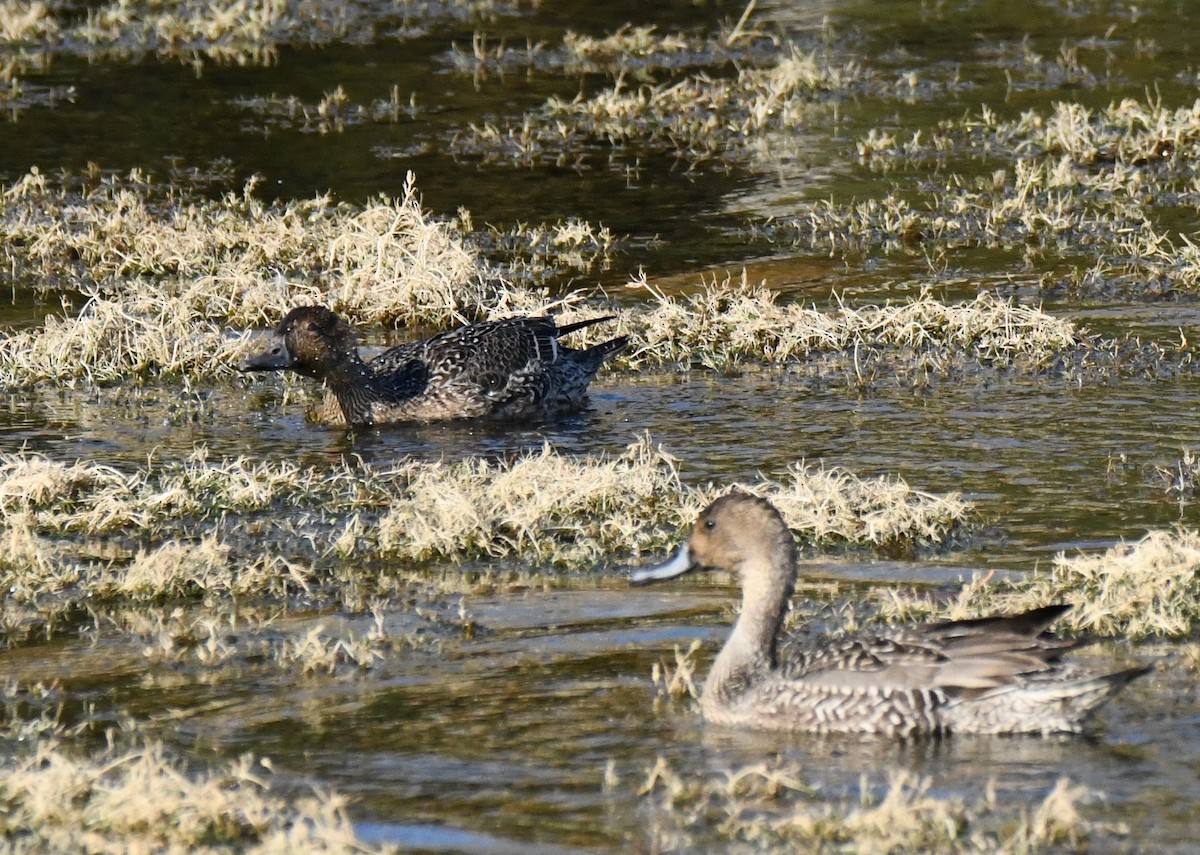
column 923, row 275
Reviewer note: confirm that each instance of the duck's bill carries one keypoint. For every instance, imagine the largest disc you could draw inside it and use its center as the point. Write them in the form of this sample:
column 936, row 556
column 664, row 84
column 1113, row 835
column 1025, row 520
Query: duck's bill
column 274, row 358
column 677, row 565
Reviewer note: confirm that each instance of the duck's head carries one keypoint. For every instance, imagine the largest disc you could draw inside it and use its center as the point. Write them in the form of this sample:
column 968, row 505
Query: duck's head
column 310, row 340
column 736, row 531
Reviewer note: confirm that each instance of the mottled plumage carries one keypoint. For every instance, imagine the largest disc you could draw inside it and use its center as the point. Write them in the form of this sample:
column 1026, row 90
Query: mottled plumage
column 999, row 674
column 509, row 369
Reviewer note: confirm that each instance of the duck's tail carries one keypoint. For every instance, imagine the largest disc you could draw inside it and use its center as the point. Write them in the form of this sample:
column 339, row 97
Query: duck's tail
column 591, row 358
column 566, row 329
column 1048, row 705
column 598, row 353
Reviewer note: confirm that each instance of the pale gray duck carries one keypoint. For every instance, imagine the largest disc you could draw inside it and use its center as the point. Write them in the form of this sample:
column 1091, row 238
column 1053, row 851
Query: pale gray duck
column 1000, row 674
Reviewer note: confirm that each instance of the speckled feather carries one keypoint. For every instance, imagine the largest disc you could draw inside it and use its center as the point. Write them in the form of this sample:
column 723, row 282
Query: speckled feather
column 507, row 369
column 999, row 674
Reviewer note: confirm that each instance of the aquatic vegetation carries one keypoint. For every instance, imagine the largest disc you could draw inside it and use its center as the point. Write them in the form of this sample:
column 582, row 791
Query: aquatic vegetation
column 82, row 536
column 59, row 799
column 238, row 258
column 543, row 506
column 771, row 807
column 226, row 32
column 698, row 117
column 1146, row 589
column 731, row 322
column 161, row 269
column 332, row 114
column 1078, row 182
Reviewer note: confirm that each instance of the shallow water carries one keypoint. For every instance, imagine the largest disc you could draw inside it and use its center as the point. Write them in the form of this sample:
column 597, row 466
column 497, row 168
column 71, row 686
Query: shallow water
column 500, row 743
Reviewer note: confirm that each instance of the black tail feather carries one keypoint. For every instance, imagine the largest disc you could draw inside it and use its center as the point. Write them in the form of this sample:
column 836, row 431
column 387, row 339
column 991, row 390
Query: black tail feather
column 602, row 351
column 579, row 325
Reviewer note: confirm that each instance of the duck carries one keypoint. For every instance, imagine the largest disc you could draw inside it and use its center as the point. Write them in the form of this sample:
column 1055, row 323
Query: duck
column 1001, row 674
column 510, row 369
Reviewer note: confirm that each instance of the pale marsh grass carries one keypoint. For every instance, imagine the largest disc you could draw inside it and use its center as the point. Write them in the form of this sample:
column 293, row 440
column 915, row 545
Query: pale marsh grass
column 143, row 800
column 770, row 807
column 1146, row 589
column 196, row 32
column 198, row 528
column 163, row 271
column 1072, row 180
column 730, row 322
column 115, row 235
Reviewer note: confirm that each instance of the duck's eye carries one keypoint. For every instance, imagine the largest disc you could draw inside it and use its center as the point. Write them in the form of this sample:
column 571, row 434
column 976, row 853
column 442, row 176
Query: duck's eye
column 710, row 524
column 313, row 328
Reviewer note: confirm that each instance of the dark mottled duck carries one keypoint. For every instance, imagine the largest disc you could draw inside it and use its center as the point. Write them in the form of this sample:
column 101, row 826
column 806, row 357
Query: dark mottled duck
column 509, row 369
column 1000, row 674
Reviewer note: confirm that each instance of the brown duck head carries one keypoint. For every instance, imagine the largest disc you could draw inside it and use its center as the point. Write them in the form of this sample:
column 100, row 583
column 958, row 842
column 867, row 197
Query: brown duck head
column 738, row 532
column 310, row 340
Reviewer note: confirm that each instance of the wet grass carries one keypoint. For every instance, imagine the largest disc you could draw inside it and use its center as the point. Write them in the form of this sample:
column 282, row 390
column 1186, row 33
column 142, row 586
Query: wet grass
column 161, row 272
column 201, row 32
column 58, row 799
column 772, row 807
column 80, row 536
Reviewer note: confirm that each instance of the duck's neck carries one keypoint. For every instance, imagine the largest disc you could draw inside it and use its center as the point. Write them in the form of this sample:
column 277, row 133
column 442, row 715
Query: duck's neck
column 749, row 654
column 353, row 384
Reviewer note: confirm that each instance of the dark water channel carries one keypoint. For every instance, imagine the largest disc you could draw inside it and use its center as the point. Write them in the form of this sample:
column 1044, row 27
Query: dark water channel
column 500, row 743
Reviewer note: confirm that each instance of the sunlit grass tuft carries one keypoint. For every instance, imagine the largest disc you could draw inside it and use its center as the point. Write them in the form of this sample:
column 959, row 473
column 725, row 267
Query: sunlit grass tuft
column 171, row 279
column 1146, row 589
column 237, row 530
column 143, row 800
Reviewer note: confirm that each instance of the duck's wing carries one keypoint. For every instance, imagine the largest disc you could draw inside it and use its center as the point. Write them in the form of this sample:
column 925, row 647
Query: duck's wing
column 961, row 656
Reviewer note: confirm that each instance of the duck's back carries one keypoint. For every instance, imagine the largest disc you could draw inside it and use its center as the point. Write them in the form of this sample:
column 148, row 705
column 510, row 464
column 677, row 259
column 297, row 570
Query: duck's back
column 511, row 368
column 996, row 675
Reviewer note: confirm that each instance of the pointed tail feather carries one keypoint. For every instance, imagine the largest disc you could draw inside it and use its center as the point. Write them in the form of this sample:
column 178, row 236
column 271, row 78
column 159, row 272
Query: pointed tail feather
column 565, row 329
column 1032, row 622
column 605, row 349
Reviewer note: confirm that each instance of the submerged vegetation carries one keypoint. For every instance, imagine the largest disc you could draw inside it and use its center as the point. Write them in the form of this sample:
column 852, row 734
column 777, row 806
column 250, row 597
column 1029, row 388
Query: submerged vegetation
column 771, row 807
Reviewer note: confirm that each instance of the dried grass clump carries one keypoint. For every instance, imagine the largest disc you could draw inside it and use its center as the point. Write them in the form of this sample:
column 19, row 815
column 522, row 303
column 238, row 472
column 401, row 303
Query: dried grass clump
column 22, row 21
column 1072, row 179
column 1146, row 589
column 542, row 507
column 768, row 806
column 137, row 332
column 232, row 32
column 163, row 270
column 145, row 801
column 237, row 258
column 1098, row 147
column 698, row 117
column 90, row 498
column 534, row 252
column 545, row 507
column 730, row 323
column 239, row 529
